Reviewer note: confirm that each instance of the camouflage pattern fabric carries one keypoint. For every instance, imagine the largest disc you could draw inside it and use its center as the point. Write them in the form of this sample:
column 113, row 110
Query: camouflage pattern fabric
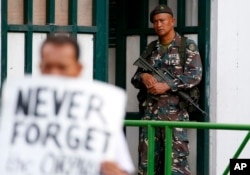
column 165, row 107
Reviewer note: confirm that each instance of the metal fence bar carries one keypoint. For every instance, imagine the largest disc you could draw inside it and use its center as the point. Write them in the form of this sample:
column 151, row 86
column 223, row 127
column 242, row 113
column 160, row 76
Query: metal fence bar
column 101, row 40
column 4, row 40
column 73, row 17
column 28, row 12
column 168, row 150
column 151, row 149
column 169, row 125
column 28, row 52
column 181, row 124
column 28, row 21
column 239, row 150
column 73, row 12
column 50, row 12
column 48, row 28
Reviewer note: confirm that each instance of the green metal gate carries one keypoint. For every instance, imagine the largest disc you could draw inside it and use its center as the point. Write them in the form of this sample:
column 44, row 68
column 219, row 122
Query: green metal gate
column 132, row 20
column 99, row 30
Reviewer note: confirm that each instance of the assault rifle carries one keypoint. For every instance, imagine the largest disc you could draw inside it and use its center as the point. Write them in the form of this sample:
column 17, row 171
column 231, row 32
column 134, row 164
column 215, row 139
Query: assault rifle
column 160, row 76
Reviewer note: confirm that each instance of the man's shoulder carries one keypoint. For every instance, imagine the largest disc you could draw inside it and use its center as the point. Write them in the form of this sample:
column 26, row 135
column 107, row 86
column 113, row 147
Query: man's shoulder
column 191, row 45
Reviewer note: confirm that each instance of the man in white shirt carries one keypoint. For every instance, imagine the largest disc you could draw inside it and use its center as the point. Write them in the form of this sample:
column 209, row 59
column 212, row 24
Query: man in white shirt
column 60, row 56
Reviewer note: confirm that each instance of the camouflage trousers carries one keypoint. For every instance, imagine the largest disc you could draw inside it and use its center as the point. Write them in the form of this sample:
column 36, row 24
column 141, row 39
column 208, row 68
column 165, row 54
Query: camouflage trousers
column 180, row 152
column 164, row 109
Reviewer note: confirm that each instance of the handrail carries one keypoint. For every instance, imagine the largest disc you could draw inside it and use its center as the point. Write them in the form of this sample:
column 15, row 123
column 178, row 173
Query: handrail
column 169, row 125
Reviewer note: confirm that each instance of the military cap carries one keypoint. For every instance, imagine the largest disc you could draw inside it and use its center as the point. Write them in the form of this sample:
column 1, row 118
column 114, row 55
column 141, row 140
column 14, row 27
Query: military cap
column 162, row 8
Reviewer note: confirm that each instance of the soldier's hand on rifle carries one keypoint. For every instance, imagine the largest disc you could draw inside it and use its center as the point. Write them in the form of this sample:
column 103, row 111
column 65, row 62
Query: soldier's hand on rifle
column 158, row 88
column 148, row 80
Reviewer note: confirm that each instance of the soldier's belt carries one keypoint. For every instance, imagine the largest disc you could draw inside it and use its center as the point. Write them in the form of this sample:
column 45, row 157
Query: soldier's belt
column 157, row 97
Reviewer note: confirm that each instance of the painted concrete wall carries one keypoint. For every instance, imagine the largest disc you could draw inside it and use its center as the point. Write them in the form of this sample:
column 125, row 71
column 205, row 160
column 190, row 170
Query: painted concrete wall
column 0, row 42
column 230, row 79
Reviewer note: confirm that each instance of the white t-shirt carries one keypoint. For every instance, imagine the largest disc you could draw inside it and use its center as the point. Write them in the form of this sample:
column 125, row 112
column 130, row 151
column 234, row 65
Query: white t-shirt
column 123, row 157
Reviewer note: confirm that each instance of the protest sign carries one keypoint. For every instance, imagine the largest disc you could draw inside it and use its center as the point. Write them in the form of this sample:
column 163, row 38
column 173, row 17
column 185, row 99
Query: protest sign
column 58, row 126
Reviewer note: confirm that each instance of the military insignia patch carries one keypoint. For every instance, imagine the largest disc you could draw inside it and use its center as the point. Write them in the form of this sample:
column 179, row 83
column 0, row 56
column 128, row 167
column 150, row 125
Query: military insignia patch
column 192, row 47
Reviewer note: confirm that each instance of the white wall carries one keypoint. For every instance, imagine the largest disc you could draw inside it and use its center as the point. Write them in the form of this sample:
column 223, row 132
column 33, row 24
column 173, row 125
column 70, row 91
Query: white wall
column 0, row 43
column 132, row 133
column 111, row 67
column 38, row 39
column 229, row 78
column 15, row 55
column 213, row 83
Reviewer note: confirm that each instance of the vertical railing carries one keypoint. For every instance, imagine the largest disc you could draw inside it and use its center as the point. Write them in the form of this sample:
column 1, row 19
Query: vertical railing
column 168, row 150
column 151, row 149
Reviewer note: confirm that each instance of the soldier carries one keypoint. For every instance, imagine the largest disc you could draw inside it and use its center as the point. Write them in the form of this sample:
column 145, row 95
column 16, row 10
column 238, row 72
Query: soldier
column 158, row 100
column 60, row 56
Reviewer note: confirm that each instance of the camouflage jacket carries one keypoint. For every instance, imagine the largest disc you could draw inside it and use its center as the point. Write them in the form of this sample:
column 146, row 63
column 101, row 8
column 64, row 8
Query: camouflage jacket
column 186, row 75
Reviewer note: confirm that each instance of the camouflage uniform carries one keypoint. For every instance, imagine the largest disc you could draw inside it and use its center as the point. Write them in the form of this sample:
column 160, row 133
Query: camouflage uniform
column 166, row 106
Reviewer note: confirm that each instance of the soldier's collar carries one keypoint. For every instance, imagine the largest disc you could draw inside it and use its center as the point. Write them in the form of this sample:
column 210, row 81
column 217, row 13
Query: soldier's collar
column 176, row 42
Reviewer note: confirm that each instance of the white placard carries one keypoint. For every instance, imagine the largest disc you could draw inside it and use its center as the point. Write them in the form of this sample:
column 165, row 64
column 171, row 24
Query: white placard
column 58, row 126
